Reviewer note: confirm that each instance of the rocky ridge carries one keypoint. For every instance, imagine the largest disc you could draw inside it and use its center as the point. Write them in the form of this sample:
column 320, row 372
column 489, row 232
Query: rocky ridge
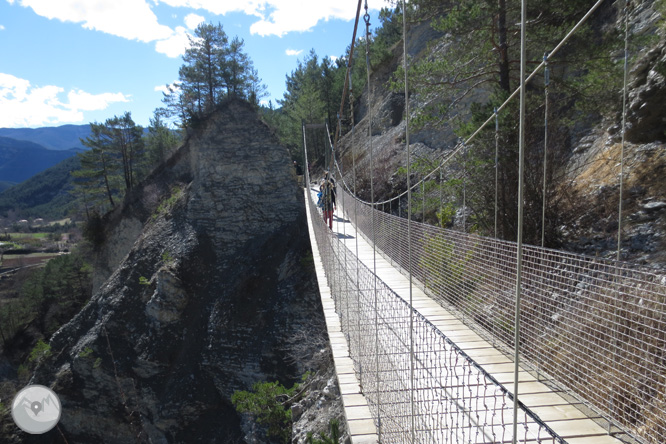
column 206, row 282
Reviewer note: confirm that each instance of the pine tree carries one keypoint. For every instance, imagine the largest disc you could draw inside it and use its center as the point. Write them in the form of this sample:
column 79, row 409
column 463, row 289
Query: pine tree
column 160, row 139
column 115, row 158
column 235, row 69
column 96, row 178
column 201, row 75
column 127, row 142
column 213, row 69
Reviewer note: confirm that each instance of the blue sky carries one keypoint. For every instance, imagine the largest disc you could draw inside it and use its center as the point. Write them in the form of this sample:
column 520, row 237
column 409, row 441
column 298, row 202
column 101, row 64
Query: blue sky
column 78, row 61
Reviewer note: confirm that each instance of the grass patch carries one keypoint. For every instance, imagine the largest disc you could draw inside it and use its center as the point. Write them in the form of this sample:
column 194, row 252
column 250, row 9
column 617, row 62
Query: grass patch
column 28, row 235
column 61, row 222
column 167, row 204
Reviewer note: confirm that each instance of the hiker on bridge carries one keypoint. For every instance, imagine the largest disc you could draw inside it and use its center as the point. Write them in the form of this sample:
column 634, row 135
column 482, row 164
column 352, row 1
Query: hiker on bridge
column 327, row 189
column 299, row 173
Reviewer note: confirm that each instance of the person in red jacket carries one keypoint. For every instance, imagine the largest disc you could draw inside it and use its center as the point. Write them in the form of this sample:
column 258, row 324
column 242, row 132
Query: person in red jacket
column 327, row 188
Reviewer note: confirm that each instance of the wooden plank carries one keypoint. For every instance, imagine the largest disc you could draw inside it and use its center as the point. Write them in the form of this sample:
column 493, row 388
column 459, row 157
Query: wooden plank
column 359, row 421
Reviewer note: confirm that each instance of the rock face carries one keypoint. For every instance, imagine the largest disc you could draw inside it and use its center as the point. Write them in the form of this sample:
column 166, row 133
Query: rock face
column 647, row 97
column 215, row 282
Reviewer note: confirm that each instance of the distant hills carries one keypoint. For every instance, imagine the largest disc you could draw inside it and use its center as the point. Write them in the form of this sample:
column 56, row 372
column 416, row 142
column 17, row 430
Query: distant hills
column 35, row 166
column 43, row 195
column 4, row 185
column 20, row 159
column 62, row 137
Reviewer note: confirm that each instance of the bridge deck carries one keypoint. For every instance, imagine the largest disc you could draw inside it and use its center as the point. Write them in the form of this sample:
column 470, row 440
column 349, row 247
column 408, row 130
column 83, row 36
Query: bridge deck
column 573, row 422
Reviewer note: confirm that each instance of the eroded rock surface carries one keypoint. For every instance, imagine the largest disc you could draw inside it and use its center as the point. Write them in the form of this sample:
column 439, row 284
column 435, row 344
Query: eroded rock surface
column 206, row 300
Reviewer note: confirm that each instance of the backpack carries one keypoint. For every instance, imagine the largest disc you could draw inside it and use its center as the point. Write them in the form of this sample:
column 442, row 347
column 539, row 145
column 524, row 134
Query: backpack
column 325, row 194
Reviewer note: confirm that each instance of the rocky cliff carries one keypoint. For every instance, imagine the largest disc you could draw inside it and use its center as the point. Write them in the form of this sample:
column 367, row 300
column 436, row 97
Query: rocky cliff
column 206, row 280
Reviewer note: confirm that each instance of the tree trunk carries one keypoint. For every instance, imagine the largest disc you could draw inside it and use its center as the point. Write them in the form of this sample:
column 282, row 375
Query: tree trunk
column 106, row 181
column 503, row 62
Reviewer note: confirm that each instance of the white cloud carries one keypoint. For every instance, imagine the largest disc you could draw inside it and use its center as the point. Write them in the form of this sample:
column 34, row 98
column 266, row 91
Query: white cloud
column 293, row 52
column 135, row 20
column 278, row 17
column 175, row 45
column 193, row 20
column 221, row 7
column 24, row 105
column 2, row 28
column 81, row 100
column 130, row 19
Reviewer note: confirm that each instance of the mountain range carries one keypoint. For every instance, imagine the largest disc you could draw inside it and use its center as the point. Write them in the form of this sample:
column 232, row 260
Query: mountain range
column 43, row 195
column 62, row 137
column 21, row 160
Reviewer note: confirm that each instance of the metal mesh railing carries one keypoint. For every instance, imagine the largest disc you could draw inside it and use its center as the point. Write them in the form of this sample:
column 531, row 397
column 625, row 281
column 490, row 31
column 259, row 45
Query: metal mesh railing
column 595, row 327
column 421, row 387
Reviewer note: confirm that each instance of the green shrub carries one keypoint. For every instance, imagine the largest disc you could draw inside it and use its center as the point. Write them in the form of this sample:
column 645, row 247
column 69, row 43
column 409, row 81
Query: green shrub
column 86, row 352
column 93, row 230
column 269, row 403
column 167, row 258
column 40, row 351
column 167, row 204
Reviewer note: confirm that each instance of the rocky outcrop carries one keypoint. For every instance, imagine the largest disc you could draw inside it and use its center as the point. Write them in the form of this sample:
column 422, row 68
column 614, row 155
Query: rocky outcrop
column 206, row 301
column 647, row 98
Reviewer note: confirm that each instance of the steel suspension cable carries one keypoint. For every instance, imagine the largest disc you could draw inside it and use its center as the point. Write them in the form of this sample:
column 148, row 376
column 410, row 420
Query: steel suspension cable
column 423, row 202
column 409, row 224
column 366, row 18
column 544, row 189
column 464, row 154
column 519, row 241
column 618, row 257
column 496, row 166
column 495, row 249
column 441, row 202
column 348, row 75
column 344, row 225
column 305, row 156
column 624, row 128
column 546, row 80
column 358, row 287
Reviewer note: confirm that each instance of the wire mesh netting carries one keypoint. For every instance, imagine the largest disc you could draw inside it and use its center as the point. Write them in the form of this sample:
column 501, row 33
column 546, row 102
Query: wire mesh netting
column 420, row 386
column 595, row 327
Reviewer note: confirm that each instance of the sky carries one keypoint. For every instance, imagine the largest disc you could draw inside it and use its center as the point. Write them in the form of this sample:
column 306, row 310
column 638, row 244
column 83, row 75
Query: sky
column 81, row 61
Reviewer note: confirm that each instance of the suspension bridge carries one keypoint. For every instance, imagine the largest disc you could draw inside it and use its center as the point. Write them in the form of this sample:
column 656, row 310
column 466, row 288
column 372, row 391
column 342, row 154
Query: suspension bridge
column 445, row 336
column 436, row 365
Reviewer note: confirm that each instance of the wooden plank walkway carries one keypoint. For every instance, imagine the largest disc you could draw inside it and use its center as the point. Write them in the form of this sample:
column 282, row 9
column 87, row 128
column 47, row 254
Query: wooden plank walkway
column 573, row 422
column 361, row 426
